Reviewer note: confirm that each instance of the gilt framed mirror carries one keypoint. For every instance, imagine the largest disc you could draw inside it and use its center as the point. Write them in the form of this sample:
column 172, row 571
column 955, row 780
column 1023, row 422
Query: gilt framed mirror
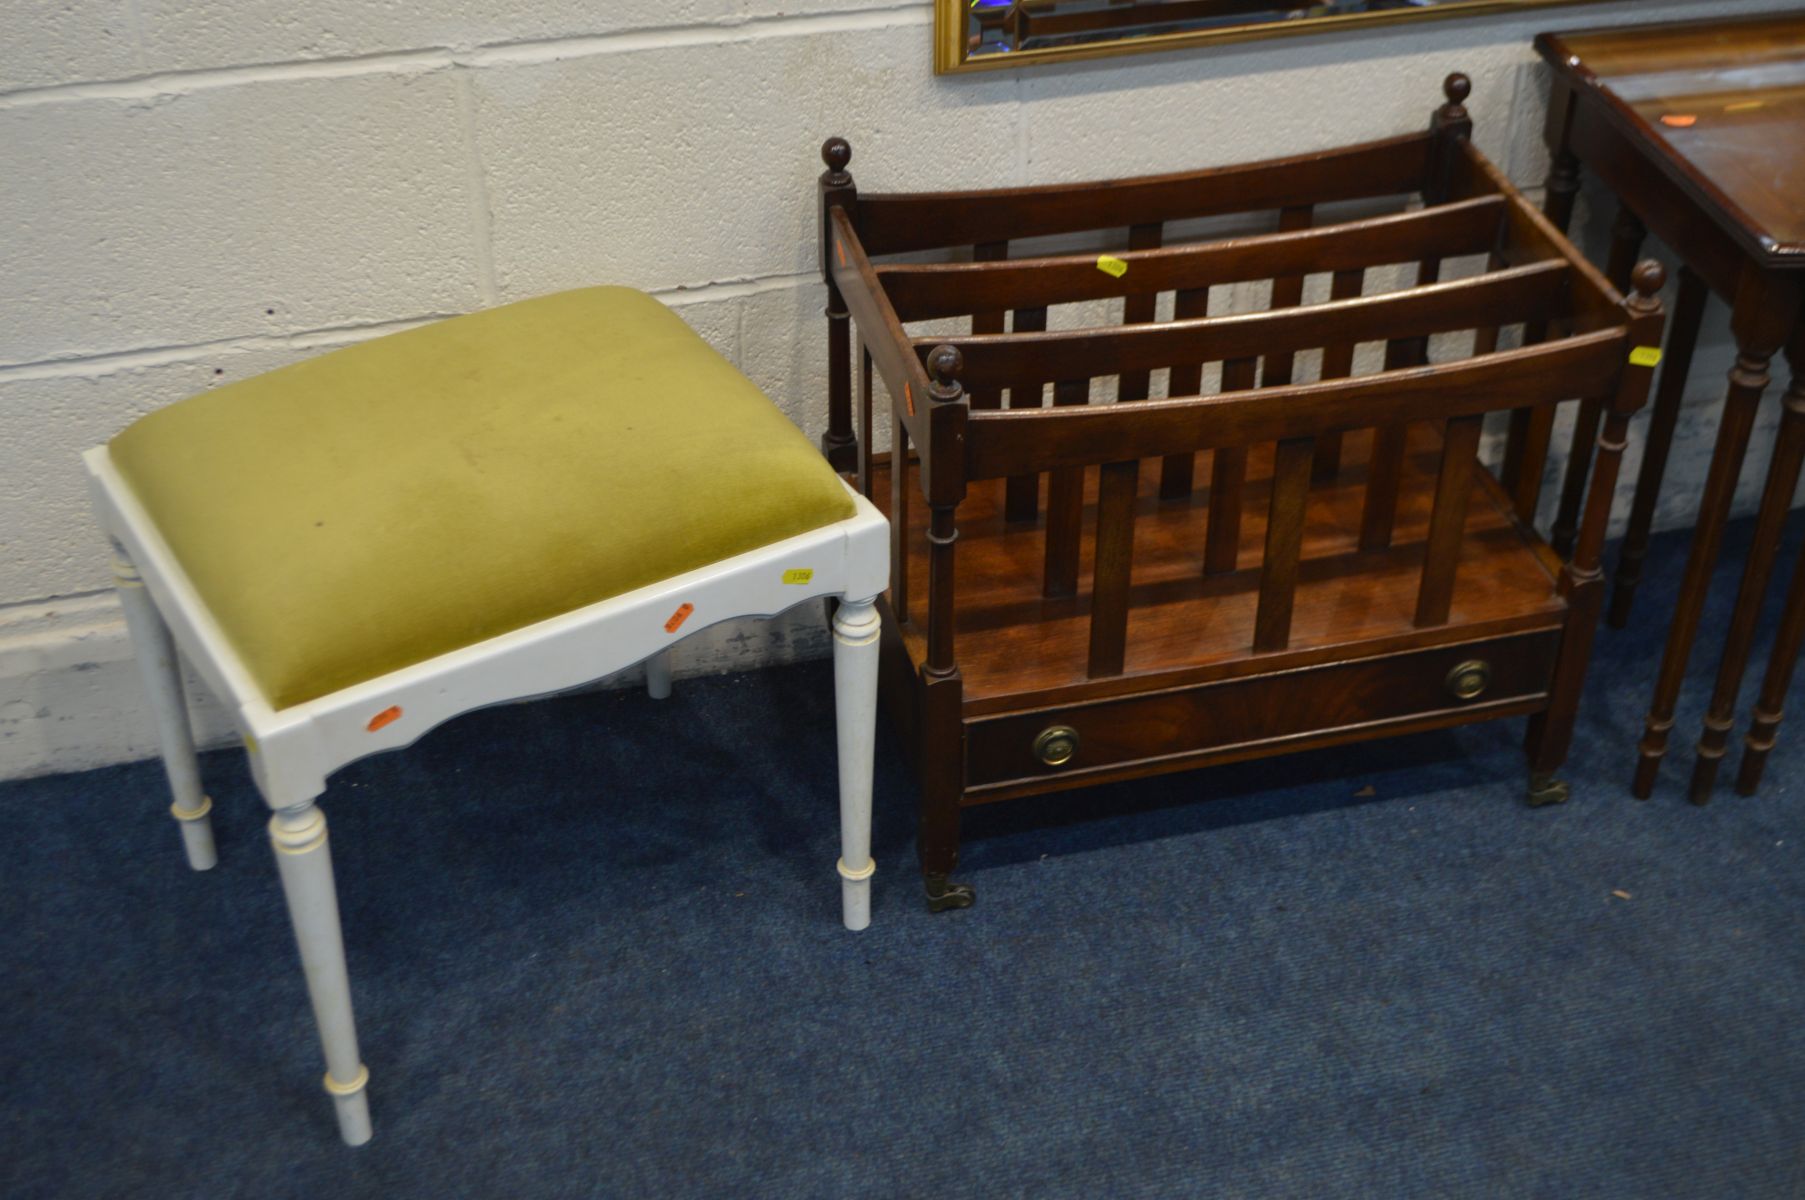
column 979, row 35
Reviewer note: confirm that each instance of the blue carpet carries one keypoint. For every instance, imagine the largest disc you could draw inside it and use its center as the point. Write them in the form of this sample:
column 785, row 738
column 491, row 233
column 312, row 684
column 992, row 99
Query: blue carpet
column 595, row 952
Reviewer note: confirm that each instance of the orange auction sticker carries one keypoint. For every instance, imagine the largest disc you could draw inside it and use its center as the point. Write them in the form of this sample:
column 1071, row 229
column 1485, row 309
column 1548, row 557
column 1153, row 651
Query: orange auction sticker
column 387, row 716
column 678, row 617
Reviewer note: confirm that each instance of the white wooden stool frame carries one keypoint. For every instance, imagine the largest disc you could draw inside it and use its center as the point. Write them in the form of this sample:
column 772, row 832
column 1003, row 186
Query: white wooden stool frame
column 293, row 750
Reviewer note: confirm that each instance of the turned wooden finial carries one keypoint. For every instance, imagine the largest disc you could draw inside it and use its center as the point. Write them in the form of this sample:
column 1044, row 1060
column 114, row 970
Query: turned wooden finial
column 944, row 364
column 836, row 152
column 1648, row 279
column 1456, row 87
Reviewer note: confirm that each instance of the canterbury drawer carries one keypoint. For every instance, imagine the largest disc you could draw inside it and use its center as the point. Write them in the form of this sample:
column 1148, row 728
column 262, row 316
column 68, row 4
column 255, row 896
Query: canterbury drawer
column 1438, row 684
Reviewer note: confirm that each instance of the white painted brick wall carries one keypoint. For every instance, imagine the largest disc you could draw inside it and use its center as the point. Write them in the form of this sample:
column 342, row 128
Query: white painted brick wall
column 193, row 192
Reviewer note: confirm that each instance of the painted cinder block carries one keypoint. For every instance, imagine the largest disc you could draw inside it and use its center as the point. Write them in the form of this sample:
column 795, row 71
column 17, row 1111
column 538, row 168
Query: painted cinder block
column 784, row 351
column 716, row 320
column 201, row 34
column 270, row 207
column 685, row 164
column 1254, row 101
column 49, row 545
column 48, row 44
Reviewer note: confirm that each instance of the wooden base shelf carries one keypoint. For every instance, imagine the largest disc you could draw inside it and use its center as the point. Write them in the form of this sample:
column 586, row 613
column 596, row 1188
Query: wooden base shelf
column 1019, row 649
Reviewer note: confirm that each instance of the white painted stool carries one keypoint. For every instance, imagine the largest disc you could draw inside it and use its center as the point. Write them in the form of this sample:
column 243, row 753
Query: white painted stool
column 356, row 548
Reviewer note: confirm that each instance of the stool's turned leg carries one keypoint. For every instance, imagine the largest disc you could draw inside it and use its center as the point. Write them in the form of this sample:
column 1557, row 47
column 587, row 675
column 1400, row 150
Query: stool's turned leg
column 855, row 711
column 658, row 675
column 1770, row 707
column 305, row 864
column 1770, row 524
column 157, row 660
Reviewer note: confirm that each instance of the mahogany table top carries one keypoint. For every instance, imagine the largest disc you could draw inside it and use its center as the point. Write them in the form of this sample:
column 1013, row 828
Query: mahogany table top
column 1718, row 105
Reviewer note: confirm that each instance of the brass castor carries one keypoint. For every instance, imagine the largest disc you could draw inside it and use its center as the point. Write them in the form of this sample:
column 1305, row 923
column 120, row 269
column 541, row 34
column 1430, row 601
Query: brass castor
column 944, row 894
column 1546, row 789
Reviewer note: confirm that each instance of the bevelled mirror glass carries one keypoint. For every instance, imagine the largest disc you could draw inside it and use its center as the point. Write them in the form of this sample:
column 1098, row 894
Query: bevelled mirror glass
column 975, row 35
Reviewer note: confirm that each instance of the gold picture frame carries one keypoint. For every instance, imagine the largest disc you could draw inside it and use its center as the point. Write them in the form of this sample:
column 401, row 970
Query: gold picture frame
column 954, row 25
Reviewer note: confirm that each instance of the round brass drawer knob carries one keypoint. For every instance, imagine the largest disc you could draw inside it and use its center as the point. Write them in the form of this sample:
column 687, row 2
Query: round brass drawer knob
column 1056, row 745
column 1467, row 680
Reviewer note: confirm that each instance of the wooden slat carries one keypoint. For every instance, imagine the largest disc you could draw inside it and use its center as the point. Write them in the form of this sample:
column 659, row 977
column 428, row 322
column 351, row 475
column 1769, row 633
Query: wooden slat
column 928, row 291
column 1385, row 465
column 1138, row 309
column 1117, row 485
column 1485, row 338
column 1002, row 443
column 1287, row 292
column 892, row 223
column 899, row 514
column 1337, row 363
column 1514, row 294
column 1065, row 504
column 867, row 435
column 1022, row 492
column 1529, row 236
column 984, row 322
column 903, row 372
column 1565, row 526
column 1447, row 523
column 1178, row 473
column 1525, row 456
column 1284, row 542
column 1228, row 479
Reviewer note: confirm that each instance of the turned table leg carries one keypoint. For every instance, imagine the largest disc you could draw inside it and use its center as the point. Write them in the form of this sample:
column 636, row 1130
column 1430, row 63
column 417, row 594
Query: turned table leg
column 855, row 720
column 1688, row 312
column 161, row 668
column 1761, row 320
column 304, row 862
column 1776, row 498
column 1771, row 705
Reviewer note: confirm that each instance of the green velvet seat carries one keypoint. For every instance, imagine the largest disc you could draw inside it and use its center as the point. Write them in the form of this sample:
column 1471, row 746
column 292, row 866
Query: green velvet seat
column 395, row 500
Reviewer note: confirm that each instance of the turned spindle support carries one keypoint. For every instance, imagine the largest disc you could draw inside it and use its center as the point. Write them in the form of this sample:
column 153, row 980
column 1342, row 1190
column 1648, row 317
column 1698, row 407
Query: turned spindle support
column 838, row 443
column 942, row 779
column 1582, row 578
column 945, row 394
column 1449, row 127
